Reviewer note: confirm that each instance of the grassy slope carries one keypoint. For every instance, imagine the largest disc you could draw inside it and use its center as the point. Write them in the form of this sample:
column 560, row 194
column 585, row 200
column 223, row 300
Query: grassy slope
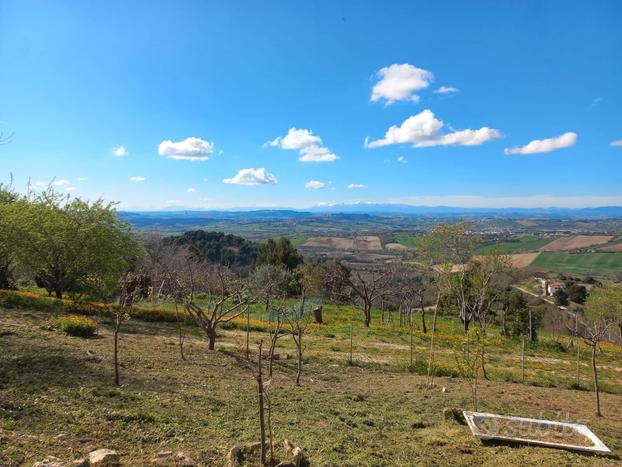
column 56, row 397
column 579, row 263
column 522, row 245
column 408, row 240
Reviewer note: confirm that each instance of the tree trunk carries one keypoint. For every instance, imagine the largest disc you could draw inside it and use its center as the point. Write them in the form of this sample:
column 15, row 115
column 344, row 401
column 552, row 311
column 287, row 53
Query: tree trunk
column 299, row 363
column 424, row 328
column 317, row 315
column 117, row 326
column 411, row 343
column 596, row 388
column 262, row 428
column 211, row 337
column 431, row 358
column 367, row 311
column 59, row 293
column 620, row 328
column 248, row 331
column 522, row 359
column 350, row 343
column 578, row 359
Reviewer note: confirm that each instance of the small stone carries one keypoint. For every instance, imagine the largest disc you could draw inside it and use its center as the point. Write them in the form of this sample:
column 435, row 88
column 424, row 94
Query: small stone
column 103, row 458
column 444, row 389
column 50, row 461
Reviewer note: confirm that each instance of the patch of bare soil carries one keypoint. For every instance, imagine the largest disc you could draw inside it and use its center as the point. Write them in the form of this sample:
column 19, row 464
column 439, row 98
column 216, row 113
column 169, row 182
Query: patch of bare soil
column 576, row 241
column 522, row 260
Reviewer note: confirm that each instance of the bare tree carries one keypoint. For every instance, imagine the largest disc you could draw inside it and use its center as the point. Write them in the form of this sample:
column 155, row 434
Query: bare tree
column 211, row 294
column 130, row 291
column 275, row 333
column 297, row 321
column 5, row 138
column 600, row 314
column 260, row 401
column 362, row 288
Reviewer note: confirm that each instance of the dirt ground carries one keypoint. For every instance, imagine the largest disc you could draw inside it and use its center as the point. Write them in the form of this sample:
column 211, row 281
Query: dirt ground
column 56, row 398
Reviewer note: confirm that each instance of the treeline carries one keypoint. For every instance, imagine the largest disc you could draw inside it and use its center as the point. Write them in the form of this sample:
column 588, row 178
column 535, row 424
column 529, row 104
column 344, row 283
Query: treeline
column 70, row 246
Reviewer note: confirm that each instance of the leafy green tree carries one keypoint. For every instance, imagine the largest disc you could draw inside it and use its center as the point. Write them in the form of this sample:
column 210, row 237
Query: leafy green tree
column 7, row 235
column 71, row 245
column 521, row 318
column 577, row 293
column 561, row 297
column 269, row 282
column 218, row 247
column 280, row 252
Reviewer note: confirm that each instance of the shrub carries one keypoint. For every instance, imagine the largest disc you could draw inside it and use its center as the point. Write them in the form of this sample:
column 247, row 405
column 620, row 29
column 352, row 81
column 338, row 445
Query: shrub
column 78, row 326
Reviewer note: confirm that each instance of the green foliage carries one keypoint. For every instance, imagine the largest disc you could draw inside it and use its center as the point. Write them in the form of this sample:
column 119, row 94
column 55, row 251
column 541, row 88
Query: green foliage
column 517, row 316
column 78, row 326
column 604, row 305
column 219, row 248
column 561, row 297
column 70, row 245
column 280, row 252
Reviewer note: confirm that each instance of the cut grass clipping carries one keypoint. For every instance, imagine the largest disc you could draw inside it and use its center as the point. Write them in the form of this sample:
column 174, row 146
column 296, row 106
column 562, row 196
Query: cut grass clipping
column 78, row 326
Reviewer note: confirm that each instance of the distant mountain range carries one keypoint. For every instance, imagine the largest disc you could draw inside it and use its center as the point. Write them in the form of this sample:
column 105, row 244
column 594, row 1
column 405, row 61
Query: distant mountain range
column 376, row 210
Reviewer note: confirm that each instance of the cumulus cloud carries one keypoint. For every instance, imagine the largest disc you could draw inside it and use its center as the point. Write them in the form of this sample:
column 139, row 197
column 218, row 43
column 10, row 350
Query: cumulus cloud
column 60, row 182
column 191, row 190
column 315, row 184
column 402, row 159
column 617, row 143
column 306, row 143
column 137, row 179
column 252, row 177
column 446, row 90
column 296, row 139
column 70, row 188
column 81, row 179
column 425, row 130
column 545, row 145
column 190, row 149
column 120, row 151
column 399, row 83
column 315, row 153
column 356, row 186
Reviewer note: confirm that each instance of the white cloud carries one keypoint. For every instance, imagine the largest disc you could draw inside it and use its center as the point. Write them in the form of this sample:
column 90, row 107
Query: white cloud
column 60, row 182
column 315, row 184
column 41, row 184
column 120, row 151
column 356, row 186
column 425, row 130
column 545, row 145
column 315, row 153
column 306, row 143
column 399, row 83
column 617, row 143
column 81, row 179
column 402, row 159
column 446, row 90
column 191, row 190
column 252, row 177
column 70, row 188
column 190, row 149
column 528, row 201
column 137, row 179
column 296, row 139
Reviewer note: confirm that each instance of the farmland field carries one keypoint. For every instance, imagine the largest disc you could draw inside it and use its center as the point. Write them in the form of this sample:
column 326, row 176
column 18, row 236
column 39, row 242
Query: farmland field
column 576, row 241
column 406, row 239
column 520, row 245
column 362, row 242
column 579, row 263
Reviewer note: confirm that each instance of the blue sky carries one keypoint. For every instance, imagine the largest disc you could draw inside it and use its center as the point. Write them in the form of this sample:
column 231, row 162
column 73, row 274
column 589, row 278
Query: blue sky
column 196, row 93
